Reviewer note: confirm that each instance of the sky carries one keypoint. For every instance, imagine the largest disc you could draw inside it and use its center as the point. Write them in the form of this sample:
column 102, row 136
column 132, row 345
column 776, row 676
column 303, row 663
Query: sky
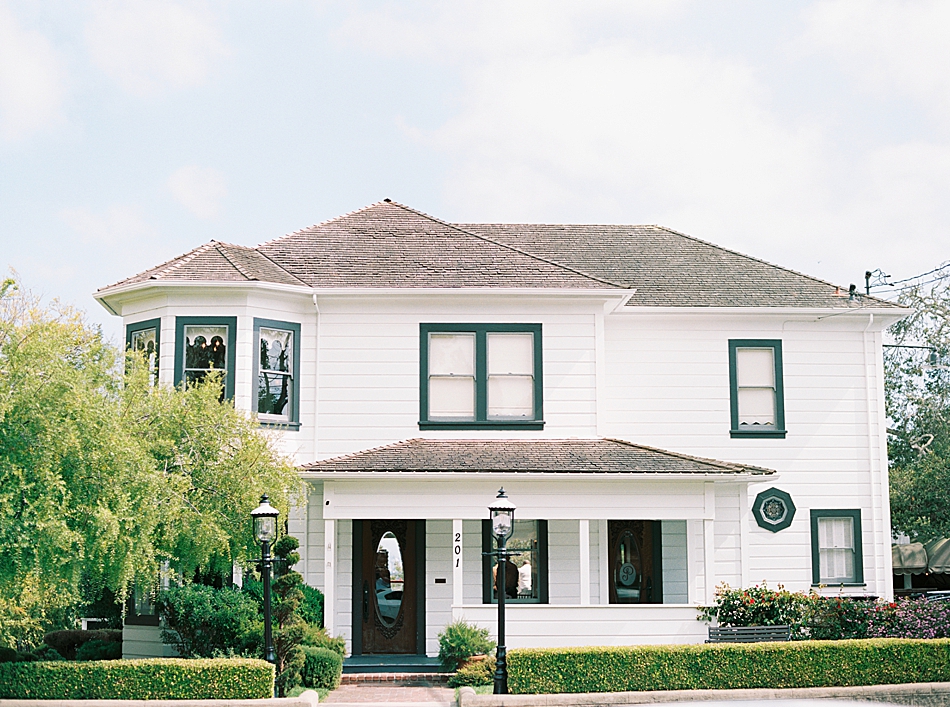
column 814, row 135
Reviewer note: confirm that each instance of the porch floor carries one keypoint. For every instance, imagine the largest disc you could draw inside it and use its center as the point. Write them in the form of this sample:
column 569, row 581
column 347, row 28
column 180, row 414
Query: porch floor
column 411, row 664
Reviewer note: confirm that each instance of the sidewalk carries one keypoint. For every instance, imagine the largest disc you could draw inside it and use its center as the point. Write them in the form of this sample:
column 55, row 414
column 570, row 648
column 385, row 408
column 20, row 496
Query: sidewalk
column 417, row 692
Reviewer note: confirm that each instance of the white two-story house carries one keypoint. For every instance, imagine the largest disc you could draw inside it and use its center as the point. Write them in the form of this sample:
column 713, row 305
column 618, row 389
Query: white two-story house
column 666, row 415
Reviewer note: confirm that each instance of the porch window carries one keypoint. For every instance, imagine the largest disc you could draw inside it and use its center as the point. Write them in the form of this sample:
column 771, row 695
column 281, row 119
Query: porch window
column 276, row 376
column 756, row 391
column 204, row 344
column 480, row 376
column 635, row 556
column 526, row 575
column 836, row 552
column 144, row 338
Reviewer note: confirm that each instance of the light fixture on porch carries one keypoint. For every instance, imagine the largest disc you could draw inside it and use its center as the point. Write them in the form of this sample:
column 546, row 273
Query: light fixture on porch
column 265, row 532
column 502, row 526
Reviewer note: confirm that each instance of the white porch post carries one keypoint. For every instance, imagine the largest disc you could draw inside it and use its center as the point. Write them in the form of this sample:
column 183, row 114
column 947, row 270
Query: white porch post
column 604, row 563
column 457, row 562
column 709, row 544
column 329, row 588
column 584, row 569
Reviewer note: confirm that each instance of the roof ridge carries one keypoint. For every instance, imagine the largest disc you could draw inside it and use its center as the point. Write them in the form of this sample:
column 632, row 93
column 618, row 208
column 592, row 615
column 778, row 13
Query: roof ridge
column 509, row 247
column 679, row 455
column 322, row 223
column 223, row 253
column 181, row 260
column 158, row 269
column 764, row 262
column 277, row 265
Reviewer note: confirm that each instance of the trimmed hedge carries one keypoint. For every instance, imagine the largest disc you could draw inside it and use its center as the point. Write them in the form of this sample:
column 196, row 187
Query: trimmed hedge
column 322, row 667
column 152, row 679
column 878, row 661
column 66, row 643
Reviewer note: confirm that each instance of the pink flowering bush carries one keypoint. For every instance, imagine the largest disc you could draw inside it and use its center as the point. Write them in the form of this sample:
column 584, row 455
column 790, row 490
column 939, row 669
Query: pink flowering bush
column 910, row 618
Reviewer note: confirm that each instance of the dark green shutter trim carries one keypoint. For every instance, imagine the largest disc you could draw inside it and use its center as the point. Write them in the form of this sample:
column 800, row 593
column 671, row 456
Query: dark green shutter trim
column 294, row 422
column 481, row 421
column 735, row 432
column 855, row 515
column 230, row 322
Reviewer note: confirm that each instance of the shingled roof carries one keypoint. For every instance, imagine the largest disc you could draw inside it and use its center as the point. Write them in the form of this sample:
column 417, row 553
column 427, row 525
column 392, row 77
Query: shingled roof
column 512, row 456
column 390, row 245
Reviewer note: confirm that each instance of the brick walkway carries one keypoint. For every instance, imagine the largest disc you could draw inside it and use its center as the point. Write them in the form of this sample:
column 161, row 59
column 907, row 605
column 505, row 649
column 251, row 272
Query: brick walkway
column 416, row 692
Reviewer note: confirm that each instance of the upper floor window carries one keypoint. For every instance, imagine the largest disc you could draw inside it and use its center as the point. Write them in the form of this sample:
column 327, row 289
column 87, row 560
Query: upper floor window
column 277, row 372
column 204, row 344
column 144, row 338
column 836, row 552
column 756, row 390
column 481, row 376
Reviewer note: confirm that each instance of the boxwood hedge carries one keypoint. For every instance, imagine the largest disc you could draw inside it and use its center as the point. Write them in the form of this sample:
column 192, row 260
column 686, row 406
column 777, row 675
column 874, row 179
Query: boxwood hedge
column 152, row 679
column 878, row 661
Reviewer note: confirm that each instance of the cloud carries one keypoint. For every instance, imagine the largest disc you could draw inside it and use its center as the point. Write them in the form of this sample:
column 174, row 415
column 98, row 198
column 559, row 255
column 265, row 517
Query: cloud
column 199, row 189
column 149, row 46
column 888, row 46
column 118, row 226
column 31, row 80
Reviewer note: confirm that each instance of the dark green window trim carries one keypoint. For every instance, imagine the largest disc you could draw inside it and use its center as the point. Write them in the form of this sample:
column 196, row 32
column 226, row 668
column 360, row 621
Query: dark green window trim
column 489, row 545
column 293, row 421
column 230, row 323
column 778, row 432
column 481, row 420
column 855, row 515
column 155, row 324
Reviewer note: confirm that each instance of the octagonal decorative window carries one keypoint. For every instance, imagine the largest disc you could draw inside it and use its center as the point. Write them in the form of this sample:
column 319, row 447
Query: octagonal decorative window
column 773, row 510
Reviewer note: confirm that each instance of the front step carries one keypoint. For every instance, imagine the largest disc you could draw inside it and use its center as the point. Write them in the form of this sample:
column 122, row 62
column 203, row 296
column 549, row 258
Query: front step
column 395, row 679
column 391, row 664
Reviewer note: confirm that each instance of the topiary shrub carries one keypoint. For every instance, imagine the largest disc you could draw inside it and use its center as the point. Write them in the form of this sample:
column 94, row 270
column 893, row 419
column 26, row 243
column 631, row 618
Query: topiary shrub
column 66, row 643
column 99, row 650
column 318, row 637
column 459, row 641
column 474, row 673
column 322, row 667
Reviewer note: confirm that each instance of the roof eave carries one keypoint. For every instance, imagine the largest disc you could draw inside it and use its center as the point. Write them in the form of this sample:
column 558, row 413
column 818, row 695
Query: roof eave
column 103, row 296
column 724, row 477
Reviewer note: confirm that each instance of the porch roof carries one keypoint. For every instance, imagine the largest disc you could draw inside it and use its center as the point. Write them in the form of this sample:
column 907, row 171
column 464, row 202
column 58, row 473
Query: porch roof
column 537, row 456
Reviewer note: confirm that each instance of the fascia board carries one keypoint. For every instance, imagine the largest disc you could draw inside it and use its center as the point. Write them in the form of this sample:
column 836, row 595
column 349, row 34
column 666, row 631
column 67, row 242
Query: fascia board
column 822, row 312
column 547, row 476
column 116, row 294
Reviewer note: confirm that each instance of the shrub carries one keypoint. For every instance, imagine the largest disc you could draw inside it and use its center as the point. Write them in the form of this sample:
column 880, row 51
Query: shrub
column 459, row 641
column 204, row 622
column 910, row 618
column 318, row 637
column 311, row 609
column 99, row 650
column 45, row 652
column 474, row 673
column 728, row 666
column 153, row 679
column 322, row 667
column 836, row 618
column 758, row 606
column 66, row 643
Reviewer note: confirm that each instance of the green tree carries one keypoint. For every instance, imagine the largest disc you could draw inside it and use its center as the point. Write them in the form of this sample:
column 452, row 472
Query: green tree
column 104, row 475
column 918, row 409
column 290, row 627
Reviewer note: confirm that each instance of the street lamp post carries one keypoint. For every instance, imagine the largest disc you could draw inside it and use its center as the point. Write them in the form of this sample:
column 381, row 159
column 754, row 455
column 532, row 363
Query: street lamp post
column 265, row 531
column 502, row 526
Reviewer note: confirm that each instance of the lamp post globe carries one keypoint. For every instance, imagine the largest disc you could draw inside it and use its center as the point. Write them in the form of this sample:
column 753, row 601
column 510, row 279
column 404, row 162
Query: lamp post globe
column 502, row 513
column 265, row 532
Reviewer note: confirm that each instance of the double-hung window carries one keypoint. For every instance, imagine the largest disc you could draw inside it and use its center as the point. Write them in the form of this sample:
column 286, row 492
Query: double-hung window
column 756, row 390
column 836, row 554
column 277, row 372
column 480, row 376
column 144, row 338
column 202, row 345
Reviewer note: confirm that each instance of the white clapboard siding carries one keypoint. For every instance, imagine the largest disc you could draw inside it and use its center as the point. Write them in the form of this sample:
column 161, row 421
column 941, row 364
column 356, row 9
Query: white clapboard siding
column 673, row 547
column 315, row 567
column 344, row 581
column 438, row 605
column 553, row 626
column 563, row 562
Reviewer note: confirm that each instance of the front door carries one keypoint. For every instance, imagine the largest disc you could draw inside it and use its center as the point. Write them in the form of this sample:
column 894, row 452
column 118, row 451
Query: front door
column 386, row 570
column 635, row 562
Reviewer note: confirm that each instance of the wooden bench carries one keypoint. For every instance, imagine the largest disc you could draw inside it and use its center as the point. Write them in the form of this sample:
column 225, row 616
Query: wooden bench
column 748, row 634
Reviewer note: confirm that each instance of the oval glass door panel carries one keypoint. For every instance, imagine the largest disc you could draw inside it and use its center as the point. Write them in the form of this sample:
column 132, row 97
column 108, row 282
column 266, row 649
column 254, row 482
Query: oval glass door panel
column 390, row 579
column 627, row 569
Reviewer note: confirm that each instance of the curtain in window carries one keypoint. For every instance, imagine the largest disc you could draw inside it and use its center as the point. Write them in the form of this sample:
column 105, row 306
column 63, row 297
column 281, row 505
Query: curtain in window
column 511, row 376
column 755, row 383
column 836, row 549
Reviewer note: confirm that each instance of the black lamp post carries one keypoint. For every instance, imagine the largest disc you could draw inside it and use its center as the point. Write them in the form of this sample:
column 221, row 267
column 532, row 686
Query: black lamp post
column 265, row 531
column 502, row 526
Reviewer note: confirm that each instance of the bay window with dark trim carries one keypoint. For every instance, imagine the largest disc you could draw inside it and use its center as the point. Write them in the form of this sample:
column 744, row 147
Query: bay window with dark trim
column 756, row 390
column 276, row 378
column 480, row 376
column 204, row 344
column 526, row 575
column 144, row 339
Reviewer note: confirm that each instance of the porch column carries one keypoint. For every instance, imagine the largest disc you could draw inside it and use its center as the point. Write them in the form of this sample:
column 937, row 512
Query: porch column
column 584, row 568
column 603, row 562
column 709, row 544
column 457, row 562
column 329, row 582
